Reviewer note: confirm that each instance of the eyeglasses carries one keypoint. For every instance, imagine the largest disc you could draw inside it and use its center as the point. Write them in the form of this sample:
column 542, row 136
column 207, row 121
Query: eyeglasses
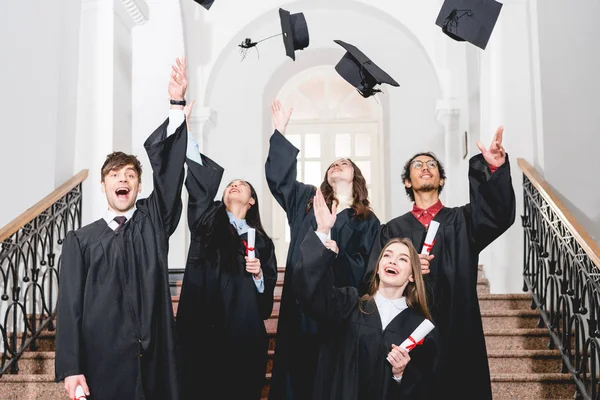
column 418, row 164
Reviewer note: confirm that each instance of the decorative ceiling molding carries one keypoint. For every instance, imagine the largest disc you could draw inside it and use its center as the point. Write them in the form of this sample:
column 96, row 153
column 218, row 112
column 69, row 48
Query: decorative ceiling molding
column 137, row 10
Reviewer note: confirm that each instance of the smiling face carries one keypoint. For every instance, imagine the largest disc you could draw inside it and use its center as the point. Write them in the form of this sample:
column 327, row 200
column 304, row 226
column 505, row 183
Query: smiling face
column 340, row 170
column 238, row 191
column 424, row 174
column 395, row 268
column 121, row 187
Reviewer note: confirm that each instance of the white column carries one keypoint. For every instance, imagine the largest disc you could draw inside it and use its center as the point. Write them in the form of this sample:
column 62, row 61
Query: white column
column 104, row 90
column 448, row 115
column 202, row 122
column 506, row 93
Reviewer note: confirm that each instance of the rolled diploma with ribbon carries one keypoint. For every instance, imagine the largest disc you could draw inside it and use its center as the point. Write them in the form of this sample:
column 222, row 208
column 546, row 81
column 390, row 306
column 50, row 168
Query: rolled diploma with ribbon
column 79, row 393
column 251, row 241
column 418, row 336
column 430, row 238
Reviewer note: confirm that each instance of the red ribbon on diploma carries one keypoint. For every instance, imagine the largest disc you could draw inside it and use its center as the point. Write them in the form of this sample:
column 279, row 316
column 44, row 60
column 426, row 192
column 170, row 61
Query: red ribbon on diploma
column 414, row 344
column 247, row 248
column 429, row 246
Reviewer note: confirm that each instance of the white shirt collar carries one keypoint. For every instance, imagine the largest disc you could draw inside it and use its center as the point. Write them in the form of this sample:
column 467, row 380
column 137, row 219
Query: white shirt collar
column 110, row 215
column 389, row 309
column 399, row 304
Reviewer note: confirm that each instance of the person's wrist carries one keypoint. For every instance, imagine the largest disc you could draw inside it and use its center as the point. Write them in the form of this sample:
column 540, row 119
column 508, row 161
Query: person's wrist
column 322, row 230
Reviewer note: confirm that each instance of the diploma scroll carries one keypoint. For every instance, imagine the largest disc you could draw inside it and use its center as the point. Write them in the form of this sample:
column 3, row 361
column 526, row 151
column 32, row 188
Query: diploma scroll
column 79, row 393
column 417, row 337
column 251, row 241
column 430, row 238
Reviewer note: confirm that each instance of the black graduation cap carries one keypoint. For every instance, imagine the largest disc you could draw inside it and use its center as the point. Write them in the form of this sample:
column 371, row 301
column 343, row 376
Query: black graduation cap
column 470, row 20
column 293, row 29
column 360, row 71
column 295, row 32
column 205, row 3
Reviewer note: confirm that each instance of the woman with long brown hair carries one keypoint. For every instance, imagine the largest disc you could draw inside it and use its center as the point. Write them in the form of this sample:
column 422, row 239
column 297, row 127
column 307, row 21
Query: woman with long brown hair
column 356, row 227
column 361, row 357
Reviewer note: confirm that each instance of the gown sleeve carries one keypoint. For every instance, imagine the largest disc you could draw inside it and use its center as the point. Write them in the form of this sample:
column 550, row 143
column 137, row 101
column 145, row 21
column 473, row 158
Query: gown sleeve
column 281, row 172
column 492, row 207
column 70, row 306
column 268, row 264
column 357, row 262
column 381, row 238
column 313, row 284
column 167, row 156
column 202, row 183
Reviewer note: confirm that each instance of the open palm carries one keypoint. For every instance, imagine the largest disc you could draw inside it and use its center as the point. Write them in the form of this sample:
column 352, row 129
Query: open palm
column 281, row 117
column 325, row 218
column 495, row 155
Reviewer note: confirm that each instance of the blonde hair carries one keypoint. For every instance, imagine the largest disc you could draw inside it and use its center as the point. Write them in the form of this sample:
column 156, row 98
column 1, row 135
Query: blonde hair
column 414, row 291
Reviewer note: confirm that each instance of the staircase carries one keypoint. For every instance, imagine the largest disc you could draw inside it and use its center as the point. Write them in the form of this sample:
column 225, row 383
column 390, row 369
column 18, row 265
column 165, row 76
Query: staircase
column 521, row 365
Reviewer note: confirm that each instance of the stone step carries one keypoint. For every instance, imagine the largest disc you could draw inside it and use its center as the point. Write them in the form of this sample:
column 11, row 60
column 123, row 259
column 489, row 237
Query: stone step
column 532, row 386
column 516, row 301
column 513, row 319
column 524, row 361
column 36, row 362
column 31, row 387
column 483, row 286
column 517, row 339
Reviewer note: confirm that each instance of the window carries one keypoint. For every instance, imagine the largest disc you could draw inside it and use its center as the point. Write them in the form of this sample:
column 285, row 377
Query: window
column 330, row 121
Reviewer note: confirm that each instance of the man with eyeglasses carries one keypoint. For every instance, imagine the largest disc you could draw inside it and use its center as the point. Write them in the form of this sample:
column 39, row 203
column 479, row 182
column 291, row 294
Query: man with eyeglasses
column 452, row 276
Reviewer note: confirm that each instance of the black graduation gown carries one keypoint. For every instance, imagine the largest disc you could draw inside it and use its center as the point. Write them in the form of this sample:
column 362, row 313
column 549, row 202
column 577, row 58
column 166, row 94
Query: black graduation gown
column 220, row 325
column 463, row 233
column 296, row 347
column 352, row 361
column 115, row 320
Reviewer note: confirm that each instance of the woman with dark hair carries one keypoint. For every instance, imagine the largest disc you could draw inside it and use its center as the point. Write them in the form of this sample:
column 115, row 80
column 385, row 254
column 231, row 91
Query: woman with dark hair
column 297, row 341
column 225, row 296
column 361, row 358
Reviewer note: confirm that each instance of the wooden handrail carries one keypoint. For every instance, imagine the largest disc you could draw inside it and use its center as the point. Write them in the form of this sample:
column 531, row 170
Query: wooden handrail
column 585, row 241
column 42, row 205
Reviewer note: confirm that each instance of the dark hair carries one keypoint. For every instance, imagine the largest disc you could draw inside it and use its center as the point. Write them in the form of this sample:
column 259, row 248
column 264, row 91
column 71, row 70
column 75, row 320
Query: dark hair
column 360, row 193
column 253, row 213
column 219, row 241
column 415, row 291
column 406, row 173
column 118, row 160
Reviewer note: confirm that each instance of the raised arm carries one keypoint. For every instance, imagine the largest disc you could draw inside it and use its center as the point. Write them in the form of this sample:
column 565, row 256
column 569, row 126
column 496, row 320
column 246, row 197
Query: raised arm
column 202, row 183
column 281, row 167
column 166, row 152
column 313, row 281
column 73, row 275
column 492, row 208
column 357, row 262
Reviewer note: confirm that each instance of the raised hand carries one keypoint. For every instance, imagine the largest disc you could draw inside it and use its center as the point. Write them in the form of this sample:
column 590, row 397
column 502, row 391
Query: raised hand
column 179, row 82
column 280, row 116
column 325, row 218
column 495, row 155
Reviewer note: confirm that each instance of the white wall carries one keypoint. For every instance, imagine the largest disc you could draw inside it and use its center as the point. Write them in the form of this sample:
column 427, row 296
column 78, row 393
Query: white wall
column 241, row 92
column 570, row 86
column 38, row 77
